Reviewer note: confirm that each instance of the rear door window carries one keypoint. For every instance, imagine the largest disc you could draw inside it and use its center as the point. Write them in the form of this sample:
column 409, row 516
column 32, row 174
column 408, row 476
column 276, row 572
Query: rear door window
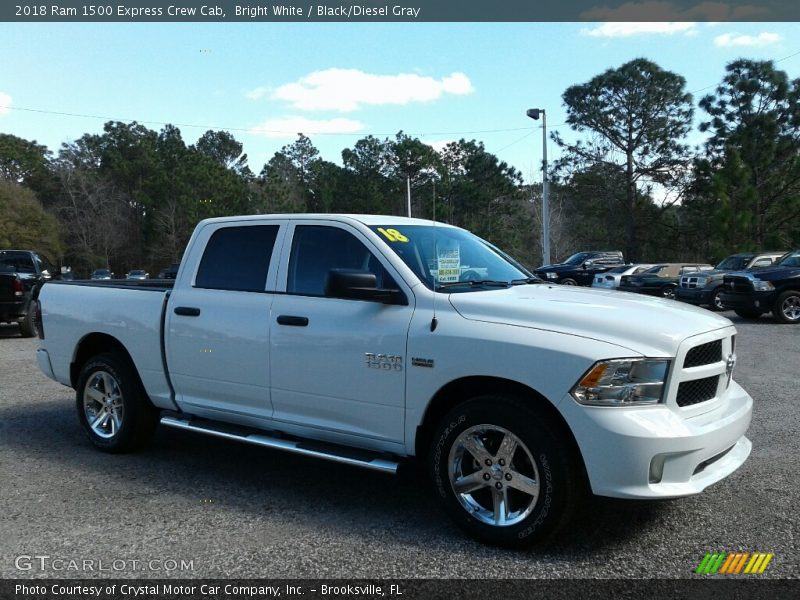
column 237, row 258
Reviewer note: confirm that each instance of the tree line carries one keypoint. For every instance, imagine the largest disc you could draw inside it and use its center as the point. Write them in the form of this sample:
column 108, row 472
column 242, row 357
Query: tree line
column 131, row 196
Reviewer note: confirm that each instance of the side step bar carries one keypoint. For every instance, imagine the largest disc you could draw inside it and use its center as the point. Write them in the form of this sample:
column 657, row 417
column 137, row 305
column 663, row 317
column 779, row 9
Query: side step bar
column 340, row 454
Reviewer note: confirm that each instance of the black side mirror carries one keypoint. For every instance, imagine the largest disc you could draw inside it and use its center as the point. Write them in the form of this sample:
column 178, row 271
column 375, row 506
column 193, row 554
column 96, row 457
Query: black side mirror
column 588, row 264
column 353, row 284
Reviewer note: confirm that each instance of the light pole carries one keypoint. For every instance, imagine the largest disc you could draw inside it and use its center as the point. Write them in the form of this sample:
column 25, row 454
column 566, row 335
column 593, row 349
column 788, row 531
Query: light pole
column 534, row 113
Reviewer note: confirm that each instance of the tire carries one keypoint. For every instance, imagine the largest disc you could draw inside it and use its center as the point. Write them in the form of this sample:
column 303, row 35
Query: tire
column 568, row 281
column 113, row 409
column 542, row 480
column 27, row 326
column 787, row 308
column 668, row 291
column 715, row 303
column 747, row 313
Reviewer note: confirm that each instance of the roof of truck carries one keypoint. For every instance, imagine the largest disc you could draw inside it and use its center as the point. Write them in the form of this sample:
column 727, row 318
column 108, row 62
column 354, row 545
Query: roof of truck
column 368, row 220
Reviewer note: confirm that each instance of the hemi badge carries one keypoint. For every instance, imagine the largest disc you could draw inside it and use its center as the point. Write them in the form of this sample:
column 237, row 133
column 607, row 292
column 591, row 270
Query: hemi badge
column 422, row 362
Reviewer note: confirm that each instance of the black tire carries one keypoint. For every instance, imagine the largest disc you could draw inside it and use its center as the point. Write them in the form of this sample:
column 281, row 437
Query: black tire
column 747, row 313
column 111, row 378
column 568, row 281
column 787, row 308
column 668, row 291
column 542, row 457
column 715, row 303
column 27, row 326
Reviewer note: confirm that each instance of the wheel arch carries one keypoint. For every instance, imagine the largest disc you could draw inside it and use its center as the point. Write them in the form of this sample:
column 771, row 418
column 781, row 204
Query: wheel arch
column 459, row 390
column 91, row 345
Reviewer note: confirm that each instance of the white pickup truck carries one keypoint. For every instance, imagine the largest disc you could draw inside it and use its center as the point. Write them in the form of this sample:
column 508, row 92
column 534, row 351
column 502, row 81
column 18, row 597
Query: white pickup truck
column 372, row 339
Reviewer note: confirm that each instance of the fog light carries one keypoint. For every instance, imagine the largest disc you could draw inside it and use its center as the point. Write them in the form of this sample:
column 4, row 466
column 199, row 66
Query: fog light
column 657, row 468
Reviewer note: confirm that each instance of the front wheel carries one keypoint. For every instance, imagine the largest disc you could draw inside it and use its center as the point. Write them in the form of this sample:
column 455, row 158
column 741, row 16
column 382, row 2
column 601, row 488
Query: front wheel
column 568, row 281
column 112, row 406
column 668, row 291
column 502, row 473
column 716, row 300
column 747, row 313
column 787, row 308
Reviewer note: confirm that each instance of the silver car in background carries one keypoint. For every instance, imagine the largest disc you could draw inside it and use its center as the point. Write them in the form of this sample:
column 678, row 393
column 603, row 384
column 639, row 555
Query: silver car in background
column 610, row 279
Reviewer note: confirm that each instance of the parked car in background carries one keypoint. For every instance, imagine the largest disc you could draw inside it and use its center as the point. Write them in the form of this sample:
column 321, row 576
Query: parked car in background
column 101, row 274
column 705, row 288
column 581, row 268
column 137, row 274
column 21, row 272
column 776, row 289
column 611, row 278
column 169, row 272
column 660, row 280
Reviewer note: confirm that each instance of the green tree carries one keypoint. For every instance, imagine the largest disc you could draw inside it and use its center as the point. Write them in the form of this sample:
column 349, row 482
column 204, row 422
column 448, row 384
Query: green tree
column 25, row 225
column 749, row 180
column 24, row 162
column 638, row 116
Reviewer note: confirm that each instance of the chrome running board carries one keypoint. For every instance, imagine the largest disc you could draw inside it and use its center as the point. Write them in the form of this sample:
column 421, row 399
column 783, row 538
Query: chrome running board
column 340, row 454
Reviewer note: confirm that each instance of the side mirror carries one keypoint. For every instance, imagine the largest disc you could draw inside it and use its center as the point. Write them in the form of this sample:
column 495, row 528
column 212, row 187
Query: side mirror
column 587, row 264
column 353, row 284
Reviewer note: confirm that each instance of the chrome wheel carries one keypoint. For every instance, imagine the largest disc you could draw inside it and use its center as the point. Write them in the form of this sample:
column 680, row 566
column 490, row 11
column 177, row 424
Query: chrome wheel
column 102, row 404
column 493, row 475
column 790, row 307
column 716, row 301
column 668, row 292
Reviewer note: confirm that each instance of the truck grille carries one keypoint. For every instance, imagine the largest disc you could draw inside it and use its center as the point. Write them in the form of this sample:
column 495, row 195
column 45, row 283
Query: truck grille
column 705, row 354
column 688, row 282
column 697, row 391
column 737, row 284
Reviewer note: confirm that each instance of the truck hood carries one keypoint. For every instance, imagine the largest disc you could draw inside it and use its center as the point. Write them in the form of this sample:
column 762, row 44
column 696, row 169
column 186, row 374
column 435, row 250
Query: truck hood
column 644, row 325
column 769, row 273
column 557, row 267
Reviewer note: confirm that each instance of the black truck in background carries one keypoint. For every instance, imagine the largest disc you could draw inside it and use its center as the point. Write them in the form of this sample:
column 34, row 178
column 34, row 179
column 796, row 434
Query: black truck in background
column 775, row 289
column 22, row 272
column 580, row 268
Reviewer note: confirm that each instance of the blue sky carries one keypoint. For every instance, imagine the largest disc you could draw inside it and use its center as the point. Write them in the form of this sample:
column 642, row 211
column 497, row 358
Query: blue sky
column 437, row 81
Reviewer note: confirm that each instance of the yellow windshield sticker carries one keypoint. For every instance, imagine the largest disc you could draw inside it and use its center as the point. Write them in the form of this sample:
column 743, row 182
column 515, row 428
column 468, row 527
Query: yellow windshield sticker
column 393, row 235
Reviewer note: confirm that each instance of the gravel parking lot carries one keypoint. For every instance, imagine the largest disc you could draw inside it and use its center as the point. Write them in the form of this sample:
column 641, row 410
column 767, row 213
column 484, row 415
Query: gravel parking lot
column 231, row 510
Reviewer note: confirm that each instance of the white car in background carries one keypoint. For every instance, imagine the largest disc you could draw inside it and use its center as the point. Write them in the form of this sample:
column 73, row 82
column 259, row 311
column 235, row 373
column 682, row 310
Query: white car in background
column 610, row 279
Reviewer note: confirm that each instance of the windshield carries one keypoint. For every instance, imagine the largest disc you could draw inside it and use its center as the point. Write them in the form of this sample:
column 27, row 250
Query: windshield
column 577, row 259
column 444, row 257
column 734, row 263
column 619, row 269
column 102, row 272
column 657, row 269
column 792, row 260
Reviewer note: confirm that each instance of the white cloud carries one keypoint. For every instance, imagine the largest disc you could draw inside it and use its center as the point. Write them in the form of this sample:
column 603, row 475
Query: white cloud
column 733, row 39
column 346, row 90
column 5, row 102
column 257, row 93
column 438, row 145
column 289, row 127
column 616, row 30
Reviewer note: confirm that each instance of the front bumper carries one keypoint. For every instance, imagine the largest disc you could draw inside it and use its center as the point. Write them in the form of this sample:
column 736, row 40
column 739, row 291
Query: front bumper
column 696, row 296
column 755, row 301
column 657, row 452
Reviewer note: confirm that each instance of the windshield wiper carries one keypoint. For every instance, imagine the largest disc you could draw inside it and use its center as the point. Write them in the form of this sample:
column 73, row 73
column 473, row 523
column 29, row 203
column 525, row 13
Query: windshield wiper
column 474, row 283
column 526, row 281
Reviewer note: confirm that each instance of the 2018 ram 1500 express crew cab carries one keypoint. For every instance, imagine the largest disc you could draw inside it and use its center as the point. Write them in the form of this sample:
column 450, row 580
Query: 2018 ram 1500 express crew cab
column 369, row 339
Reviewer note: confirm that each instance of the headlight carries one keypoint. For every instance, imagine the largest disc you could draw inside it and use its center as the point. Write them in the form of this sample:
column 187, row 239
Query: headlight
column 701, row 281
column 762, row 286
column 623, row 382
column 551, row 275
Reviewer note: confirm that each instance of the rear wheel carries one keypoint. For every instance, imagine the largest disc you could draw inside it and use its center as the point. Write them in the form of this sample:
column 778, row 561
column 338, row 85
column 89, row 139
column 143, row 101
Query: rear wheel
column 112, row 406
column 27, row 326
column 787, row 308
column 502, row 473
column 668, row 291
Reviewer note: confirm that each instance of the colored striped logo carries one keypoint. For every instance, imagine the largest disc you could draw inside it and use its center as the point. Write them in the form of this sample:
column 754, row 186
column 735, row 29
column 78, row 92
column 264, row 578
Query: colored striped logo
column 734, row 563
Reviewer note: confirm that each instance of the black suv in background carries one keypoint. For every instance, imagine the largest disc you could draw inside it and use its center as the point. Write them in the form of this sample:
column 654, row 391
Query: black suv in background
column 580, row 268
column 775, row 289
column 705, row 288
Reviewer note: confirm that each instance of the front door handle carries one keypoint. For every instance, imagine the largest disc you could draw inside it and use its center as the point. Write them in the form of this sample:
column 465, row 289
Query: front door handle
column 187, row 311
column 292, row 320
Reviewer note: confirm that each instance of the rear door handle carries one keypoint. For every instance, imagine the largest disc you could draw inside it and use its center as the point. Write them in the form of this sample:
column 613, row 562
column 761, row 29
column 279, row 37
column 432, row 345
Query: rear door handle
column 187, row 311
column 292, row 320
